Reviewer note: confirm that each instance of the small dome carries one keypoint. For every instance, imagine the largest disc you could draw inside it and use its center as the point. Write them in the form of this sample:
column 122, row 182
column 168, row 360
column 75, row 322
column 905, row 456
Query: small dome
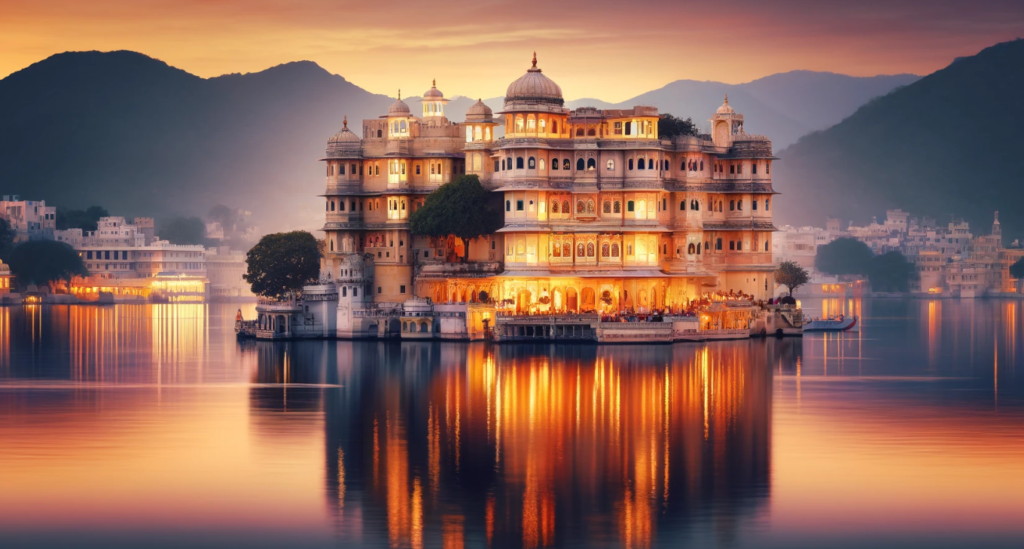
column 479, row 112
column 398, row 108
column 433, row 93
column 344, row 139
column 725, row 108
column 534, row 86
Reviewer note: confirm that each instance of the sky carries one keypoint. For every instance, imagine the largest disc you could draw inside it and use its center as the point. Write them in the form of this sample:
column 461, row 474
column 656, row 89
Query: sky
column 609, row 49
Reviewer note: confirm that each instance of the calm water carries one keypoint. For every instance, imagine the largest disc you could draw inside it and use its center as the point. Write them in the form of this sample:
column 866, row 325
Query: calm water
column 151, row 426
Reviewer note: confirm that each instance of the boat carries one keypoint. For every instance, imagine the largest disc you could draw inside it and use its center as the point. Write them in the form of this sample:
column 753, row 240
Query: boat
column 840, row 324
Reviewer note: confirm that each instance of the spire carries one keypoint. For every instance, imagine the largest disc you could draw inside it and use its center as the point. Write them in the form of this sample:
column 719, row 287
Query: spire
column 726, row 99
column 345, row 123
column 535, row 60
column 399, row 94
column 433, row 83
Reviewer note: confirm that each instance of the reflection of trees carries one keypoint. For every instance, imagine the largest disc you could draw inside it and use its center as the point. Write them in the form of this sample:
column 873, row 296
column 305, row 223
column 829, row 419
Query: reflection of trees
column 533, row 446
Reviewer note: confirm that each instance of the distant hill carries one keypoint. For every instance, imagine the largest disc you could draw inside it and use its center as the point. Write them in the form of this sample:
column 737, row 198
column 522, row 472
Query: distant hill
column 947, row 144
column 140, row 137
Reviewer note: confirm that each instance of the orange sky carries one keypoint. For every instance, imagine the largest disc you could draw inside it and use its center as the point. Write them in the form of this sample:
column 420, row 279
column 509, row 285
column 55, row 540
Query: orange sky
column 593, row 48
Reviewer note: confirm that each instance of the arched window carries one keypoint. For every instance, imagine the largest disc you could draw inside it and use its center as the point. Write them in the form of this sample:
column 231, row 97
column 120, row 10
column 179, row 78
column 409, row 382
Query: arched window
column 607, row 208
column 380, row 133
column 604, row 250
column 650, row 163
column 732, row 205
column 718, row 244
column 682, row 205
column 701, row 165
column 590, row 249
column 630, row 164
column 753, row 205
column 739, row 245
column 739, row 205
column 615, row 250
column 590, row 206
column 519, row 162
column 591, row 164
column 629, row 205
column 554, row 164
column 478, row 162
column 554, row 206
column 707, row 245
column 541, row 164
column 344, row 291
column 682, row 165
column 666, row 165
column 542, row 125
column 766, row 245
column 556, row 250
column 565, row 164
column 401, row 126
column 341, row 205
column 579, row 131
column 332, row 245
column 617, row 207
column 565, row 207
column 531, row 124
column 519, row 123
column 566, row 250
column 691, row 249
column 579, row 165
column 698, row 248
column 332, row 205
column 591, row 132
column 732, row 245
column 581, row 250
column 580, row 207
column 478, row 133
column 640, row 164
column 531, row 163
column 767, row 203
column 554, row 126
column 611, row 165
column 508, row 205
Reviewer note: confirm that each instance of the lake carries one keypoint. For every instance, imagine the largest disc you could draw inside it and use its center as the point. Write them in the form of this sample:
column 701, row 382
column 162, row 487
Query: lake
column 150, row 425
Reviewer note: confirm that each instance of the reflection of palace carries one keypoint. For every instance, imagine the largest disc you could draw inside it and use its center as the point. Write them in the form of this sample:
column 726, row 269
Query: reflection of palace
column 600, row 215
column 529, row 446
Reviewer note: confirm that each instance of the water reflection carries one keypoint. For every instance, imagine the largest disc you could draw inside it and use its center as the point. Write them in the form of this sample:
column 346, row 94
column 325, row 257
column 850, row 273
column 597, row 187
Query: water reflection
column 533, row 446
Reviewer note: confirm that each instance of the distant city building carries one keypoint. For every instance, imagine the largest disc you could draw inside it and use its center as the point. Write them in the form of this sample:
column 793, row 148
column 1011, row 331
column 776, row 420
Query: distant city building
column 30, row 219
column 224, row 269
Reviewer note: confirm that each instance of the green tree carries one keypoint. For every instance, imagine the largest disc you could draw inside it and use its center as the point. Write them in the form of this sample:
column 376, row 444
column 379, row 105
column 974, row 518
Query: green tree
column 80, row 219
column 45, row 261
column 1016, row 270
column 791, row 275
column 891, row 272
column 282, row 263
column 843, row 256
column 460, row 209
column 183, row 230
column 670, row 126
column 7, row 234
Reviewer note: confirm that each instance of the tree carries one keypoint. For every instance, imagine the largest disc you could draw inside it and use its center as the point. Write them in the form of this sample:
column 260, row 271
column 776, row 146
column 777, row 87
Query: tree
column 670, row 126
column 183, row 230
column 1016, row 270
column 7, row 234
column 80, row 219
column 891, row 272
column 843, row 256
column 45, row 261
column 791, row 275
column 282, row 263
column 460, row 209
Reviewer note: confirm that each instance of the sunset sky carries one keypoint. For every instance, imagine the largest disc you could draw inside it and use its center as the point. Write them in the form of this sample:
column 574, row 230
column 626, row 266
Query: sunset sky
column 593, row 48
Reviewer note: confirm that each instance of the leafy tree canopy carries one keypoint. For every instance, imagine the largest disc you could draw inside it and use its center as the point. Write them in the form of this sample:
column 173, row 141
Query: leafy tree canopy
column 843, row 256
column 460, row 209
column 891, row 272
column 670, row 126
column 45, row 261
column 7, row 234
column 80, row 219
column 1016, row 270
column 183, row 230
column 282, row 263
column 791, row 275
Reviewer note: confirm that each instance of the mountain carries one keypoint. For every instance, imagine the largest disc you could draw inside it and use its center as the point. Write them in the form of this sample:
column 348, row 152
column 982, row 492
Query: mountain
column 140, row 137
column 782, row 106
column 948, row 144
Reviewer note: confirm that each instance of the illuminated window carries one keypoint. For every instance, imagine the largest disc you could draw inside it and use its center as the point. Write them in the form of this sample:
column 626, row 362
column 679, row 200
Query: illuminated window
column 542, row 162
column 554, row 207
column 604, row 250
column 478, row 133
column 565, row 164
column 591, row 164
column 531, row 163
column 580, row 250
column 590, row 249
column 542, row 125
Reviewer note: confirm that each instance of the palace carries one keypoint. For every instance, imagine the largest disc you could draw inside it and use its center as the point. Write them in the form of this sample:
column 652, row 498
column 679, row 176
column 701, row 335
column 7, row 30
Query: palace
column 601, row 214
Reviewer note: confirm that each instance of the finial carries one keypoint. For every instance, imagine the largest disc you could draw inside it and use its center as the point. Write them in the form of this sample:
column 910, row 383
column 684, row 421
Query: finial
column 434, row 83
column 726, row 99
column 535, row 60
column 345, row 122
column 399, row 94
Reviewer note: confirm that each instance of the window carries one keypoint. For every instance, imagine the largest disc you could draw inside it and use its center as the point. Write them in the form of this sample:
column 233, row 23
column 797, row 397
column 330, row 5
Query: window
column 739, row 169
column 519, row 163
column 554, row 164
column 753, row 169
column 768, row 168
column 591, row 164
column 766, row 245
column 495, row 167
column 531, row 163
column 698, row 248
column 739, row 245
column 519, row 205
column 565, row 207
column 739, row 205
column 753, row 205
column 580, row 250
column 618, row 128
column 580, row 207
column 683, row 165
column 767, row 203
column 732, row 245
column 701, row 165
column 401, row 289
column 519, row 123
column 508, row 205
column 691, row 249
column 554, row 206
column 590, row 206
column 732, row 205
column 732, row 169
column 611, row 165
column 630, row 164
column 541, row 161
column 629, row 206
column 590, row 249
column 607, row 208
column 718, row 244
column 664, row 204
column 618, row 207
column 640, row 164
column 565, row 163
column 554, row 126
column 341, row 206
column 605, row 249
column 542, row 125
column 615, row 250
column 579, row 165
column 650, row 163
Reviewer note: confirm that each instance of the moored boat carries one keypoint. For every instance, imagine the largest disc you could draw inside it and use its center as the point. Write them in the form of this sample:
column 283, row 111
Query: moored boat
column 839, row 324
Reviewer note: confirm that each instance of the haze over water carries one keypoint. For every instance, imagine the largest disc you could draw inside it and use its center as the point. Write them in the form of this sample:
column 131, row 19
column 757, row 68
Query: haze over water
column 149, row 425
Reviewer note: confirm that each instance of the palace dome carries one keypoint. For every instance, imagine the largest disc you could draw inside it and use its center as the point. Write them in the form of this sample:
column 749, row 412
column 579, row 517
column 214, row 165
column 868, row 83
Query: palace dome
column 344, row 140
column 725, row 108
column 479, row 112
column 534, row 87
column 433, row 93
column 398, row 108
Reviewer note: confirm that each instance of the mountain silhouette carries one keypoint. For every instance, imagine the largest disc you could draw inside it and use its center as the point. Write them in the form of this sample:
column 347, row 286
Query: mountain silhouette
column 945, row 145
column 140, row 137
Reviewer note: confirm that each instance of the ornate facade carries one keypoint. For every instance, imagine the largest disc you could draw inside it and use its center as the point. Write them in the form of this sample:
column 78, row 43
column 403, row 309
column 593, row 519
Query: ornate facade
column 600, row 214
